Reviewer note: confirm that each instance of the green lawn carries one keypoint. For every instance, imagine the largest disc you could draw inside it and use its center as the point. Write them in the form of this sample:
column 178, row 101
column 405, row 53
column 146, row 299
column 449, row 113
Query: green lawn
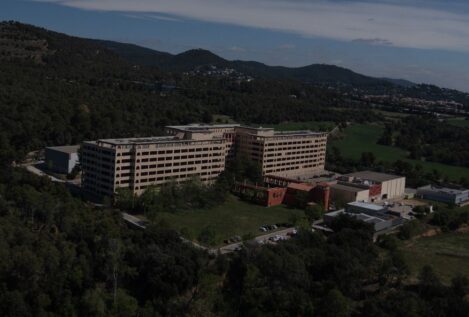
column 459, row 122
column 447, row 253
column 234, row 217
column 308, row 125
column 363, row 137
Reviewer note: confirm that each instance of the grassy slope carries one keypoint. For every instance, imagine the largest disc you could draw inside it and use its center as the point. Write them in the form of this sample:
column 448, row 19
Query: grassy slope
column 234, row 217
column 363, row 137
column 459, row 122
column 447, row 253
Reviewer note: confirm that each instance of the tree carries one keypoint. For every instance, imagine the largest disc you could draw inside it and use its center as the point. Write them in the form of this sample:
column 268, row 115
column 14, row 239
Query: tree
column 314, row 212
column 207, row 235
column 367, row 159
column 335, row 304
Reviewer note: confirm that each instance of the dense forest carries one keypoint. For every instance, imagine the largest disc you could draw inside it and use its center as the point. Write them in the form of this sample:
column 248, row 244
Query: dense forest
column 60, row 256
column 427, row 138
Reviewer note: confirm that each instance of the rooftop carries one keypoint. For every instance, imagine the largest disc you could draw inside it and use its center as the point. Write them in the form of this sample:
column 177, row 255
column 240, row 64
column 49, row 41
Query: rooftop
column 301, row 186
column 65, row 148
column 366, row 206
column 373, row 176
column 444, row 190
column 348, row 188
column 147, row 140
column 360, row 216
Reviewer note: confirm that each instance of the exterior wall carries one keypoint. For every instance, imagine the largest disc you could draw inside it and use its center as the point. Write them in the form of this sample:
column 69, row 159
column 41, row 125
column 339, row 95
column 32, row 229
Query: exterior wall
column 285, row 155
column 393, row 188
column 196, row 150
column 375, row 191
column 139, row 166
column 98, row 169
column 60, row 162
column 448, row 198
column 219, row 131
column 264, row 196
column 321, row 195
column 275, row 196
column 348, row 196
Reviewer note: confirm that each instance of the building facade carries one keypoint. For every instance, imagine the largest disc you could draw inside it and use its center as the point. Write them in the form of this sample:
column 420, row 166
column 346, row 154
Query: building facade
column 456, row 196
column 61, row 159
column 292, row 154
column 381, row 186
column 196, row 150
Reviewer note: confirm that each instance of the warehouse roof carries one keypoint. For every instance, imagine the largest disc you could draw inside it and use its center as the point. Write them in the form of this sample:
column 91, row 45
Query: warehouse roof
column 373, row 176
column 444, row 190
column 366, row 205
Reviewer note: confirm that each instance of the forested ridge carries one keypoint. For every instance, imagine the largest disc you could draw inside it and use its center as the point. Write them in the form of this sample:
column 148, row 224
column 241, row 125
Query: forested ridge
column 68, row 89
column 60, row 256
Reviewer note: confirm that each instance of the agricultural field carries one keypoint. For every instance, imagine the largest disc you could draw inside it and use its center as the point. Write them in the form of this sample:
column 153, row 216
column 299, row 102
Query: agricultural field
column 447, row 253
column 234, row 217
column 360, row 138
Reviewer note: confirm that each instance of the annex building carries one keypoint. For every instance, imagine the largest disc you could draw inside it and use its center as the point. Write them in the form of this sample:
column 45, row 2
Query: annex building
column 197, row 150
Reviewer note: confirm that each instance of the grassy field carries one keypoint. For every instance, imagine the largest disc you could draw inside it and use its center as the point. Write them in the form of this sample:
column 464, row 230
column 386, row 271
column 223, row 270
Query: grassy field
column 447, row 253
column 308, row 125
column 391, row 115
column 234, row 217
column 459, row 122
column 363, row 137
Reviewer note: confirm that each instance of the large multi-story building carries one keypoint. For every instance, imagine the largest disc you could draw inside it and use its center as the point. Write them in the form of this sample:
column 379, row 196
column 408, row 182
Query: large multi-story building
column 196, row 150
column 288, row 154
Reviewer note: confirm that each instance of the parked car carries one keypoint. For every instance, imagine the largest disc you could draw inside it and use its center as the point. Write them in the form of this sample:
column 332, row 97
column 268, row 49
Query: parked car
column 263, row 229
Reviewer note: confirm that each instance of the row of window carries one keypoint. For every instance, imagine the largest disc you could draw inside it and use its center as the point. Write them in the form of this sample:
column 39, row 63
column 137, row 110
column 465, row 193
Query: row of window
column 290, row 168
column 310, row 147
column 293, row 163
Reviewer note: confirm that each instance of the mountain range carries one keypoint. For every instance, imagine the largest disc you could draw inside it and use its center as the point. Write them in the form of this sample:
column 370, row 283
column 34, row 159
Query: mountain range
column 22, row 41
column 196, row 58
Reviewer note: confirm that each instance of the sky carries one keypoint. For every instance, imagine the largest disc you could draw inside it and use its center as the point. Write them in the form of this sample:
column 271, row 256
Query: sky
column 425, row 41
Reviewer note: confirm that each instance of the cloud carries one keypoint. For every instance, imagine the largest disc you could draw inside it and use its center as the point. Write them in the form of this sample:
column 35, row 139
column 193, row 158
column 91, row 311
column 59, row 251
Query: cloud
column 374, row 41
column 151, row 17
column 412, row 24
column 287, row 46
column 237, row 49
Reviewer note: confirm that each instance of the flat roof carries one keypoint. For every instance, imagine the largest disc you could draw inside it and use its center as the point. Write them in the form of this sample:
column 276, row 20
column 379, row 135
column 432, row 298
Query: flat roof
column 373, row 176
column 348, row 188
column 366, row 205
column 445, row 190
column 65, row 148
column 361, row 216
column 147, row 140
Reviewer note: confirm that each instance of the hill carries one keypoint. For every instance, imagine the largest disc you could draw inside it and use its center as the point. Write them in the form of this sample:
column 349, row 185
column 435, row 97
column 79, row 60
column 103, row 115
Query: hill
column 196, row 58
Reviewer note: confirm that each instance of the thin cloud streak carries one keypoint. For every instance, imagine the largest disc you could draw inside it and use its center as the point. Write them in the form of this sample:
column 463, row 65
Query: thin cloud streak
column 393, row 23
